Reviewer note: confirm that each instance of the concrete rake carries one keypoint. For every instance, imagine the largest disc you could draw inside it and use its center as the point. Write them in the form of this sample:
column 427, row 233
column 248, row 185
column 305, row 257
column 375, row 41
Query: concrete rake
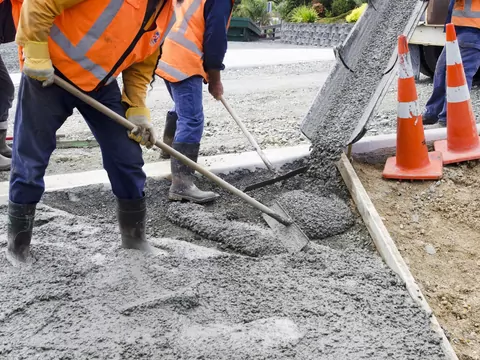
column 291, row 236
column 277, row 175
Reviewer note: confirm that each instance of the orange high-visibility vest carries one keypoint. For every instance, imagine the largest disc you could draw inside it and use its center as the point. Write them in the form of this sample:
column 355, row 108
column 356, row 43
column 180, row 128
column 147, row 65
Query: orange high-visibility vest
column 182, row 52
column 92, row 42
column 466, row 13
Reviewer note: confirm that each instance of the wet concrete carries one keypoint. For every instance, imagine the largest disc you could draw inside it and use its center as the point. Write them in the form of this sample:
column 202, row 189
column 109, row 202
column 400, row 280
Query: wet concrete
column 318, row 216
column 86, row 298
column 338, row 108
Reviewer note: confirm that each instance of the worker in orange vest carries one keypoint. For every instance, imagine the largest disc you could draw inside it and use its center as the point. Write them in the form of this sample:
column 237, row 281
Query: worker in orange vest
column 89, row 43
column 465, row 15
column 193, row 53
column 7, row 90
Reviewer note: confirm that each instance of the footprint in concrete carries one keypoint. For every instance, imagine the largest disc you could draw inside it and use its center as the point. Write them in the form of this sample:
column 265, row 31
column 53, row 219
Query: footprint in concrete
column 233, row 340
column 318, row 216
column 185, row 249
column 248, row 239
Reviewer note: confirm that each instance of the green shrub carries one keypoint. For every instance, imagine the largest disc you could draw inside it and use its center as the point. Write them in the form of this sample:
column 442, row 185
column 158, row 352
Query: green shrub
column 342, row 6
column 356, row 13
column 255, row 10
column 304, row 14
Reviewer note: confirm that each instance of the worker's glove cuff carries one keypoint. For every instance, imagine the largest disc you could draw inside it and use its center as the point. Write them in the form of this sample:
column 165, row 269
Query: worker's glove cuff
column 138, row 114
column 36, row 50
column 143, row 132
column 37, row 63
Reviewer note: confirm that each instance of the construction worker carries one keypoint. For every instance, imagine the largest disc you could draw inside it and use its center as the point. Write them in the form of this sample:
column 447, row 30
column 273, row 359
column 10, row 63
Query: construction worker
column 7, row 90
column 465, row 15
column 88, row 43
column 193, row 53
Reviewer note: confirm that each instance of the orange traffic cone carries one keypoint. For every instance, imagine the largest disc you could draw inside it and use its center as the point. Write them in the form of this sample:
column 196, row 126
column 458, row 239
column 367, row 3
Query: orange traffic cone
column 462, row 142
column 413, row 161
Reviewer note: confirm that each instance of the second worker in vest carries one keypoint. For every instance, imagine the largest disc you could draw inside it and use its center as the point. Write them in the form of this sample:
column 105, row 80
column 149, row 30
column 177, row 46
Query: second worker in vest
column 193, row 53
column 88, row 43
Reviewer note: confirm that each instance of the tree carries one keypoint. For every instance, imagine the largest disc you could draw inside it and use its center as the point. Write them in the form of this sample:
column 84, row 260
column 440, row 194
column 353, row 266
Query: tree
column 255, row 10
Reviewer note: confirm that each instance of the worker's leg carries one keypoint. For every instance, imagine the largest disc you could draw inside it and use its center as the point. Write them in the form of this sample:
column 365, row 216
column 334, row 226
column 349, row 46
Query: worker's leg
column 187, row 96
column 7, row 92
column 40, row 113
column 469, row 45
column 123, row 161
column 436, row 103
column 170, row 125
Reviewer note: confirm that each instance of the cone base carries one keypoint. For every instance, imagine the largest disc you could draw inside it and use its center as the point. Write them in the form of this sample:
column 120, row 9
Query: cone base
column 451, row 157
column 432, row 171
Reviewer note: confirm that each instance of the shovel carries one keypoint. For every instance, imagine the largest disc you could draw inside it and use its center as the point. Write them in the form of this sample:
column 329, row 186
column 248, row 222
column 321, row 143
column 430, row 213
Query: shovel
column 291, row 236
column 276, row 175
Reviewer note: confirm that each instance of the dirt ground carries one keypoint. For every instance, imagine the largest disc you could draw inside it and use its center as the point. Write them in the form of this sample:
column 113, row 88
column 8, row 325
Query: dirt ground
column 436, row 228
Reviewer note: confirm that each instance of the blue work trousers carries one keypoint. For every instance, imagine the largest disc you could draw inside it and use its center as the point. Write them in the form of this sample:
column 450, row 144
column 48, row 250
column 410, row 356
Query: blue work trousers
column 41, row 112
column 469, row 43
column 187, row 96
column 7, row 92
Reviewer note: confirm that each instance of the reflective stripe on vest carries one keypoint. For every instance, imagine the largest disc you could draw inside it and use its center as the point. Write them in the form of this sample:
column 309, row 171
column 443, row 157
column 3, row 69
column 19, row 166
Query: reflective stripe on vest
column 108, row 39
column 78, row 53
column 178, row 37
column 183, row 55
column 470, row 10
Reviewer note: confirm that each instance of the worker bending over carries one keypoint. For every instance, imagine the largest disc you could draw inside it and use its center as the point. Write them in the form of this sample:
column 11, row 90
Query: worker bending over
column 7, row 90
column 193, row 53
column 465, row 15
column 88, row 43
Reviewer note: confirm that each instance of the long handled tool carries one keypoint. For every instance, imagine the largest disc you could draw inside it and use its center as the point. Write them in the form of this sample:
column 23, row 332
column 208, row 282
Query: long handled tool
column 288, row 232
column 277, row 176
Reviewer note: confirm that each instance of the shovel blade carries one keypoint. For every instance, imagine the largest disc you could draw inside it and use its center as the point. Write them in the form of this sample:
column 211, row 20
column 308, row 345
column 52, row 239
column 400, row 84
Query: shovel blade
column 291, row 236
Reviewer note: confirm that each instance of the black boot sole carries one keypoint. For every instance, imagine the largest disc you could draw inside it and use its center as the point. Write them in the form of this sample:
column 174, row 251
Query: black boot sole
column 178, row 197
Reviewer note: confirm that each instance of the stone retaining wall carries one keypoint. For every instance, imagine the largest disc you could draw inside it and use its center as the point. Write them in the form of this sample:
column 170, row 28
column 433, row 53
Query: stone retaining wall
column 322, row 35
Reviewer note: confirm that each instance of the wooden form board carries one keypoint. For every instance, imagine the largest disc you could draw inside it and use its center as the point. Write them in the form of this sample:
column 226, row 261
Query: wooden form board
column 387, row 248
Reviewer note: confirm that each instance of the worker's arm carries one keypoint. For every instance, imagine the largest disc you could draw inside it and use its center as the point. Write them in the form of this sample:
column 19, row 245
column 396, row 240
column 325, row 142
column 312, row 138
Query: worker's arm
column 37, row 17
column 217, row 14
column 136, row 79
column 36, row 20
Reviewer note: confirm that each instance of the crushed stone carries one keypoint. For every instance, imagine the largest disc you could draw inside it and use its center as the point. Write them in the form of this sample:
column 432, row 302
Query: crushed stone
column 86, row 298
column 319, row 217
column 334, row 119
column 248, row 239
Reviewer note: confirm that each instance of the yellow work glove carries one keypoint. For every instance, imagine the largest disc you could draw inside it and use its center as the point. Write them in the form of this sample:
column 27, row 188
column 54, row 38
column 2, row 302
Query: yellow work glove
column 143, row 131
column 37, row 63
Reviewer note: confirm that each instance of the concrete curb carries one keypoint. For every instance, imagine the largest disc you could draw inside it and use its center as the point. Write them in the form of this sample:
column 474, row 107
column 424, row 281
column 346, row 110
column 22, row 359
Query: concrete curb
column 218, row 164
column 387, row 248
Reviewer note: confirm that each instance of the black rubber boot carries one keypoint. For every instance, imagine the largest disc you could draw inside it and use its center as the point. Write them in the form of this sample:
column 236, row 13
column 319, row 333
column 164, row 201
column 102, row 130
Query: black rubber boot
column 131, row 215
column 20, row 226
column 5, row 163
column 4, row 148
column 182, row 187
column 169, row 132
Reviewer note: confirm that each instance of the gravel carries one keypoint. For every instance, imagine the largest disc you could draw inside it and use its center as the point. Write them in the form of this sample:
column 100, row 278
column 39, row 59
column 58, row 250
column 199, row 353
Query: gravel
column 271, row 100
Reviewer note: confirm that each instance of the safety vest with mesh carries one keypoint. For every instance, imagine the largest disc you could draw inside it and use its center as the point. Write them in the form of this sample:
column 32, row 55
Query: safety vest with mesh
column 182, row 52
column 92, row 42
column 466, row 13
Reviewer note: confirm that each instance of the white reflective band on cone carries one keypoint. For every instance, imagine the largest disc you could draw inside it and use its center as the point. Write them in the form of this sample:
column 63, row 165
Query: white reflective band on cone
column 408, row 110
column 453, row 53
column 405, row 69
column 458, row 94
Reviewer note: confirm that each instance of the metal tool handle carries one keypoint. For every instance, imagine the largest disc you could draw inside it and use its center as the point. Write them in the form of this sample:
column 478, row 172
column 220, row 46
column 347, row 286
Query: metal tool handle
column 127, row 124
column 249, row 136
